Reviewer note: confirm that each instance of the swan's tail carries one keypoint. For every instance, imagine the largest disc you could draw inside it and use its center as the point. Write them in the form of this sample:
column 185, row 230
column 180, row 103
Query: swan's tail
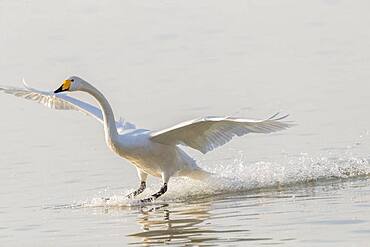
column 190, row 167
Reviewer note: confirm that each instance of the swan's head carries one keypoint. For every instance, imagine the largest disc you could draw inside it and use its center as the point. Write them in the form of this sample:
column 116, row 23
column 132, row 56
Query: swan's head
column 73, row 83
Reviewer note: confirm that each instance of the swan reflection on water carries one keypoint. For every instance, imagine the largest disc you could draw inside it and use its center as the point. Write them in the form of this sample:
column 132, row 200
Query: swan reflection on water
column 186, row 224
column 183, row 225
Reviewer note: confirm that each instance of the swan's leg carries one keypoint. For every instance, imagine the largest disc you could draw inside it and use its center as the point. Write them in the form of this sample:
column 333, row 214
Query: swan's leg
column 163, row 190
column 143, row 176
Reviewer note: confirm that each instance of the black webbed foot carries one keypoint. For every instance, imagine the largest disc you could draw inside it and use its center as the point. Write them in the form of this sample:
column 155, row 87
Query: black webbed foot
column 155, row 195
column 138, row 191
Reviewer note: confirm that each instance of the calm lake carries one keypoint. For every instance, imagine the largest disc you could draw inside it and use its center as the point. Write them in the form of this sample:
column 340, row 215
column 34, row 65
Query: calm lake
column 163, row 62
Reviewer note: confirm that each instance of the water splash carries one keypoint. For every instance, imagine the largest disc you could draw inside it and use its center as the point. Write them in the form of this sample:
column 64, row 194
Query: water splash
column 239, row 175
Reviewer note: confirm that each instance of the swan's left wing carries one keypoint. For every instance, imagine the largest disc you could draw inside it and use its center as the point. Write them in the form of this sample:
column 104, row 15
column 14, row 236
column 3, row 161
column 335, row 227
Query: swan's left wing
column 61, row 102
column 54, row 101
column 206, row 134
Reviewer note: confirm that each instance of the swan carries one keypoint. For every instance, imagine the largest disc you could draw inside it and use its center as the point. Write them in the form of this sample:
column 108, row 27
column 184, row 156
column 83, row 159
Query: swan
column 157, row 153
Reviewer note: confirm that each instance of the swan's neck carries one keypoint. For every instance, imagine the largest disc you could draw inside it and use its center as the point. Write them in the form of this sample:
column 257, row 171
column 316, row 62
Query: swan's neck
column 109, row 122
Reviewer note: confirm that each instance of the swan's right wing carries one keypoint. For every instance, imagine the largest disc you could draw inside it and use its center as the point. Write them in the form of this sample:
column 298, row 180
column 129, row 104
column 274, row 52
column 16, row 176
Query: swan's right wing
column 206, row 134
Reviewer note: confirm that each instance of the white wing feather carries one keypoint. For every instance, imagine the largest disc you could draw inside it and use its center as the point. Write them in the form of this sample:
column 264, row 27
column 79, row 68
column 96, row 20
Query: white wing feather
column 206, row 134
column 61, row 102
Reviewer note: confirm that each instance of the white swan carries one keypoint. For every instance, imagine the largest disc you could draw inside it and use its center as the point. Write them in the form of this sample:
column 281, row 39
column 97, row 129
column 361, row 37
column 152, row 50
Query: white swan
column 155, row 153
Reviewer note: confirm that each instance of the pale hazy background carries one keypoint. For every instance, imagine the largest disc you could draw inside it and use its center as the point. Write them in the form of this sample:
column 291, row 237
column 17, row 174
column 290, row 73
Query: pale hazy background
column 161, row 62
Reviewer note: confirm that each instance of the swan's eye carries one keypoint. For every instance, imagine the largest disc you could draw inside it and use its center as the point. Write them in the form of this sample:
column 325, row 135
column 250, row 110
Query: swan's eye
column 72, row 80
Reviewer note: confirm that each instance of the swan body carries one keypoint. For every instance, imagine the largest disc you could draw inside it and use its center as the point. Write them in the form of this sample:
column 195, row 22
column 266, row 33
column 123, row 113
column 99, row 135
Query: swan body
column 155, row 153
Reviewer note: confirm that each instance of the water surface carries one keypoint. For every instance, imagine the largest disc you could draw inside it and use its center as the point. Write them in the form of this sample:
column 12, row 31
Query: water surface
column 167, row 61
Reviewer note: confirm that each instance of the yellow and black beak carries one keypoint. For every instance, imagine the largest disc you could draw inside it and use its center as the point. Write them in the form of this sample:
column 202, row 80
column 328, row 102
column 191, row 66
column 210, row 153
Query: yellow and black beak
column 65, row 86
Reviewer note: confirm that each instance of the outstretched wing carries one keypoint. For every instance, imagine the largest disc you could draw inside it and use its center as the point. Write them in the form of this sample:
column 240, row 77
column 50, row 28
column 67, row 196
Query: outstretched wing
column 61, row 102
column 206, row 134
